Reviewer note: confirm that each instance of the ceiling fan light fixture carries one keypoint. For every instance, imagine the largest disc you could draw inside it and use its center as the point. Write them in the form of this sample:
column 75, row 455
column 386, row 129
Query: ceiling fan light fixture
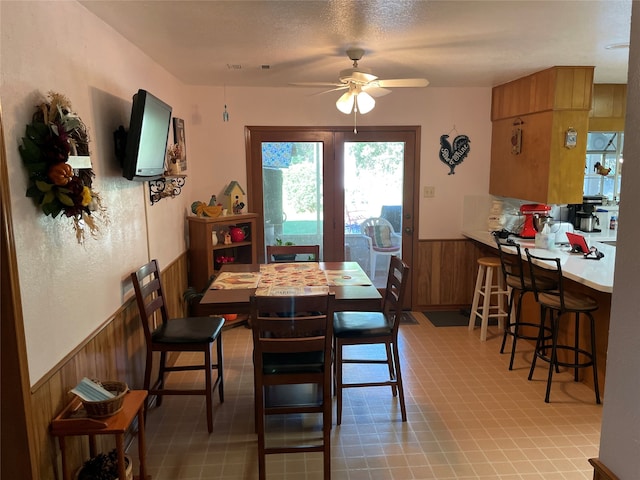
column 364, row 102
column 346, row 102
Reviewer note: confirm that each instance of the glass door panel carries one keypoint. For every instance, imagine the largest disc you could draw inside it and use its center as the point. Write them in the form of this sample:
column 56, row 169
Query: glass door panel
column 292, row 193
column 373, row 196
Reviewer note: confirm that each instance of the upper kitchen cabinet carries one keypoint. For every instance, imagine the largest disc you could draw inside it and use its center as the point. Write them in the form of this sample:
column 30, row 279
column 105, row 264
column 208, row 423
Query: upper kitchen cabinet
column 539, row 137
column 609, row 107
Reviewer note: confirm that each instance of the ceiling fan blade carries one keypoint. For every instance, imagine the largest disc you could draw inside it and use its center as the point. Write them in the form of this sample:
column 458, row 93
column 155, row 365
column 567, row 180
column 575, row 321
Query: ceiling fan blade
column 343, row 87
column 316, row 84
column 375, row 91
column 402, row 82
column 363, row 76
column 356, row 75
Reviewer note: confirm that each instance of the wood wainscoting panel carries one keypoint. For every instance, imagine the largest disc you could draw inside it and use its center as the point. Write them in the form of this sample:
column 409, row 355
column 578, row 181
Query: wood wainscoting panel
column 116, row 351
column 445, row 273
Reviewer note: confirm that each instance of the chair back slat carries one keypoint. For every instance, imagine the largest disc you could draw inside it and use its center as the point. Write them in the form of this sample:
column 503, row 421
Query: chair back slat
column 307, row 253
column 291, row 324
column 283, row 345
column 548, row 268
column 512, row 264
column 396, row 287
column 149, row 297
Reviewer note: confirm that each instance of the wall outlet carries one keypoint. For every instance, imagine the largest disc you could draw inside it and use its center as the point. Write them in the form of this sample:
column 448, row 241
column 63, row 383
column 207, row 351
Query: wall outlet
column 429, row 192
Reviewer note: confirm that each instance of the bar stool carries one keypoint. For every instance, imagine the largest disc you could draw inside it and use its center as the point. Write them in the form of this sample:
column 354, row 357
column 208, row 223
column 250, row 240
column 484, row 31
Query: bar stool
column 518, row 283
column 487, row 266
column 558, row 303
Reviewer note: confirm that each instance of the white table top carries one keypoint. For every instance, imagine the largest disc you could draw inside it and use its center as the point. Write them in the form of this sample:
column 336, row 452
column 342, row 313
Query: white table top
column 596, row 274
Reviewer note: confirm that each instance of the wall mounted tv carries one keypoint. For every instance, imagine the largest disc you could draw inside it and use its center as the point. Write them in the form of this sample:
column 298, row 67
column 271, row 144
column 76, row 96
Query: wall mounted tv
column 146, row 140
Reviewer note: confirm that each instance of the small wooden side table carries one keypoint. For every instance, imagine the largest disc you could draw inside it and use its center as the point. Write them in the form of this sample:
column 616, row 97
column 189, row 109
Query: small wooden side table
column 73, row 421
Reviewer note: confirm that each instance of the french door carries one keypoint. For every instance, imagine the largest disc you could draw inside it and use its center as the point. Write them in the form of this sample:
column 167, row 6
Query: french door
column 319, row 185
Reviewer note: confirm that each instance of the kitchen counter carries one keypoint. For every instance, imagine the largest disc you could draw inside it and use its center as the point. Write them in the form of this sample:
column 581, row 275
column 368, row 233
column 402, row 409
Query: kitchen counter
column 595, row 274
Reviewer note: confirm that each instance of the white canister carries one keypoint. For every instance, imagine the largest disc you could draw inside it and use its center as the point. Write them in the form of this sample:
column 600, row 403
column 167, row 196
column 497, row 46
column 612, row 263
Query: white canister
column 561, row 231
column 545, row 239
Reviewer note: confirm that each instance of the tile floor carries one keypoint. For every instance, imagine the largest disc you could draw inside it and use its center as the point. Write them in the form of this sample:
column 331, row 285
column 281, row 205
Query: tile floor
column 469, row 417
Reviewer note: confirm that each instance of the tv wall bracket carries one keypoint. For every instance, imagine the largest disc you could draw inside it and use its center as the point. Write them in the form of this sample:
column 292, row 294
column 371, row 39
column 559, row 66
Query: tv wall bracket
column 167, row 186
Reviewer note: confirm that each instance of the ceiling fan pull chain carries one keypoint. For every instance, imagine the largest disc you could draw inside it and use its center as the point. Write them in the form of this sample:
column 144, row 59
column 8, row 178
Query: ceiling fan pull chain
column 355, row 120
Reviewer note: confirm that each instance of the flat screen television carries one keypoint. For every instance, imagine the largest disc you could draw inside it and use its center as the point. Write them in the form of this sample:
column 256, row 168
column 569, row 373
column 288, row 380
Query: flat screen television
column 146, row 140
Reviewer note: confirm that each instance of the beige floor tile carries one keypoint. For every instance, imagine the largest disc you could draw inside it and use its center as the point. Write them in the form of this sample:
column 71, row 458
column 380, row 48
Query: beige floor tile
column 469, row 417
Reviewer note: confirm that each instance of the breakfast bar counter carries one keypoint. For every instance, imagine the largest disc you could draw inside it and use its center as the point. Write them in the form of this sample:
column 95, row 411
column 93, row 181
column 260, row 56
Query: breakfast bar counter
column 584, row 276
column 595, row 274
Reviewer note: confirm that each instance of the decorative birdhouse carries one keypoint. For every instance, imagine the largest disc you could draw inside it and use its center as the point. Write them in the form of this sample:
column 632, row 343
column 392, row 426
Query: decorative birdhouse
column 235, row 197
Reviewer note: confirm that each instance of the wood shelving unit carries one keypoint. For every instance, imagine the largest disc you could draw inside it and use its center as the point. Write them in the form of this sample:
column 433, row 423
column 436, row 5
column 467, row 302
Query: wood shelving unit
column 203, row 253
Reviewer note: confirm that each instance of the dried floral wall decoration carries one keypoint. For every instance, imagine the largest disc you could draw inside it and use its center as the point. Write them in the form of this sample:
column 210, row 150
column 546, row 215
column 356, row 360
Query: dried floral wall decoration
column 54, row 135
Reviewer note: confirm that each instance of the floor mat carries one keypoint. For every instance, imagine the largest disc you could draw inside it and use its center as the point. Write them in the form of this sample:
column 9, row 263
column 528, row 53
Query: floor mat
column 452, row 319
column 408, row 319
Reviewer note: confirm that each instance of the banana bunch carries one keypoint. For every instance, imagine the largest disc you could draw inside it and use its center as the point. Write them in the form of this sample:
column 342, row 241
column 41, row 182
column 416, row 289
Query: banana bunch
column 201, row 209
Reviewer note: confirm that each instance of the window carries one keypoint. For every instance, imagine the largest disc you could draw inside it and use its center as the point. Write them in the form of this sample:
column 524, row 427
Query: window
column 604, row 164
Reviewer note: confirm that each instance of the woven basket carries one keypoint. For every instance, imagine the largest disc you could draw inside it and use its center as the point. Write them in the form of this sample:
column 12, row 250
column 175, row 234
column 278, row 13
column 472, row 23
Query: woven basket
column 106, row 408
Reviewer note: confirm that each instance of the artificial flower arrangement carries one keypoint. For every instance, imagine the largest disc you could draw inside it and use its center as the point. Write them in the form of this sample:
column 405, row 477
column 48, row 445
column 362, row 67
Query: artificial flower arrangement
column 54, row 134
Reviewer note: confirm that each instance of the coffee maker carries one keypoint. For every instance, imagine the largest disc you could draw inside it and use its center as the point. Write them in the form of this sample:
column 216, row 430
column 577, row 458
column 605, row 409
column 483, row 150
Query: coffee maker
column 529, row 210
column 582, row 215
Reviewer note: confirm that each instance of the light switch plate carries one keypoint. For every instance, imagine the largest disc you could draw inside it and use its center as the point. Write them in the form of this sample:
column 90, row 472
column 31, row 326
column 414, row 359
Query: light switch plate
column 429, row 192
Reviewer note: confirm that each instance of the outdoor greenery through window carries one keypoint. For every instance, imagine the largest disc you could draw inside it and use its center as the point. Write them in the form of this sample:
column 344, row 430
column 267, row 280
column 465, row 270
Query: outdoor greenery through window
column 292, row 186
column 292, row 182
column 292, row 174
column 373, row 178
column 603, row 170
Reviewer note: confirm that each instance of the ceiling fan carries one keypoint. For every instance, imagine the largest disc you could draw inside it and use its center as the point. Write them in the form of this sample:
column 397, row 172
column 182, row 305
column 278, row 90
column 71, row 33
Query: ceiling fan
column 362, row 85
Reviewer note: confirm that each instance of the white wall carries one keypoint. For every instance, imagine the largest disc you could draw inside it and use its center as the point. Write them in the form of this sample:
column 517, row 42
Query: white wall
column 437, row 110
column 69, row 290
column 620, row 435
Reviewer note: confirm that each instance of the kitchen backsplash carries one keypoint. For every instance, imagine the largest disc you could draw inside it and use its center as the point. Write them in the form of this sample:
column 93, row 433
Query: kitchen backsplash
column 479, row 213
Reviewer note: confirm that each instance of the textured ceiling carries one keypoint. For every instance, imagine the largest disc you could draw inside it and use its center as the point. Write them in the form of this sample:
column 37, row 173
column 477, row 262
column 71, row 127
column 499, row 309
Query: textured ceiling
column 451, row 43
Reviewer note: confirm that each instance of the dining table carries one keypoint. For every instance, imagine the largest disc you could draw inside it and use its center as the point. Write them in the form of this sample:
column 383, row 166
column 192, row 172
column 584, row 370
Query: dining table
column 232, row 288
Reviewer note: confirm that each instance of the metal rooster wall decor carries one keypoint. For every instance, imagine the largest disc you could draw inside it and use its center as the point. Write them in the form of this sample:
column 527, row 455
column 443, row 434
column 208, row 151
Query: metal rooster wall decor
column 454, row 155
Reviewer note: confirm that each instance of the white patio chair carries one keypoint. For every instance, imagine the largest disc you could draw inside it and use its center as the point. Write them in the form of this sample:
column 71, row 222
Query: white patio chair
column 383, row 241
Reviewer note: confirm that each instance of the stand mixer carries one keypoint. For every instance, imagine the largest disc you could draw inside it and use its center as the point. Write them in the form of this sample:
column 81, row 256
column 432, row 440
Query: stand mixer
column 530, row 210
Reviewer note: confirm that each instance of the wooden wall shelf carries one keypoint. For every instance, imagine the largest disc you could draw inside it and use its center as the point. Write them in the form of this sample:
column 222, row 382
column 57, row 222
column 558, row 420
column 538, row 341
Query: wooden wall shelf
column 167, row 186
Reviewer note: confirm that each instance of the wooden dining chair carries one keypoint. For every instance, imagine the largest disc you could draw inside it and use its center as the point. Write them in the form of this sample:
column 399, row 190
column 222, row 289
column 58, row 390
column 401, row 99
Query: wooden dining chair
column 292, row 368
column 163, row 334
column 293, row 253
column 377, row 327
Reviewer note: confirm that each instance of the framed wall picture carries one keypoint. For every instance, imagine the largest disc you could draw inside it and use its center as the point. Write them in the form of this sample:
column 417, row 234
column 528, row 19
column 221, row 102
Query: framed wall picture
column 179, row 139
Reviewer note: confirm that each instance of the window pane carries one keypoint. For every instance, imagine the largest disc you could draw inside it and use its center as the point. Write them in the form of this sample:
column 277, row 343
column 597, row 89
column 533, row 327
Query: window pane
column 603, row 166
column 602, row 141
column 373, row 179
column 592, row 185
column 292, row 190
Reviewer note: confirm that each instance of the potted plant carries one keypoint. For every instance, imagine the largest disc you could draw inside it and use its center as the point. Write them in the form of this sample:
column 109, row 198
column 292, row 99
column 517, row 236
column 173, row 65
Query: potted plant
column 284, row 257
column 104, row 466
